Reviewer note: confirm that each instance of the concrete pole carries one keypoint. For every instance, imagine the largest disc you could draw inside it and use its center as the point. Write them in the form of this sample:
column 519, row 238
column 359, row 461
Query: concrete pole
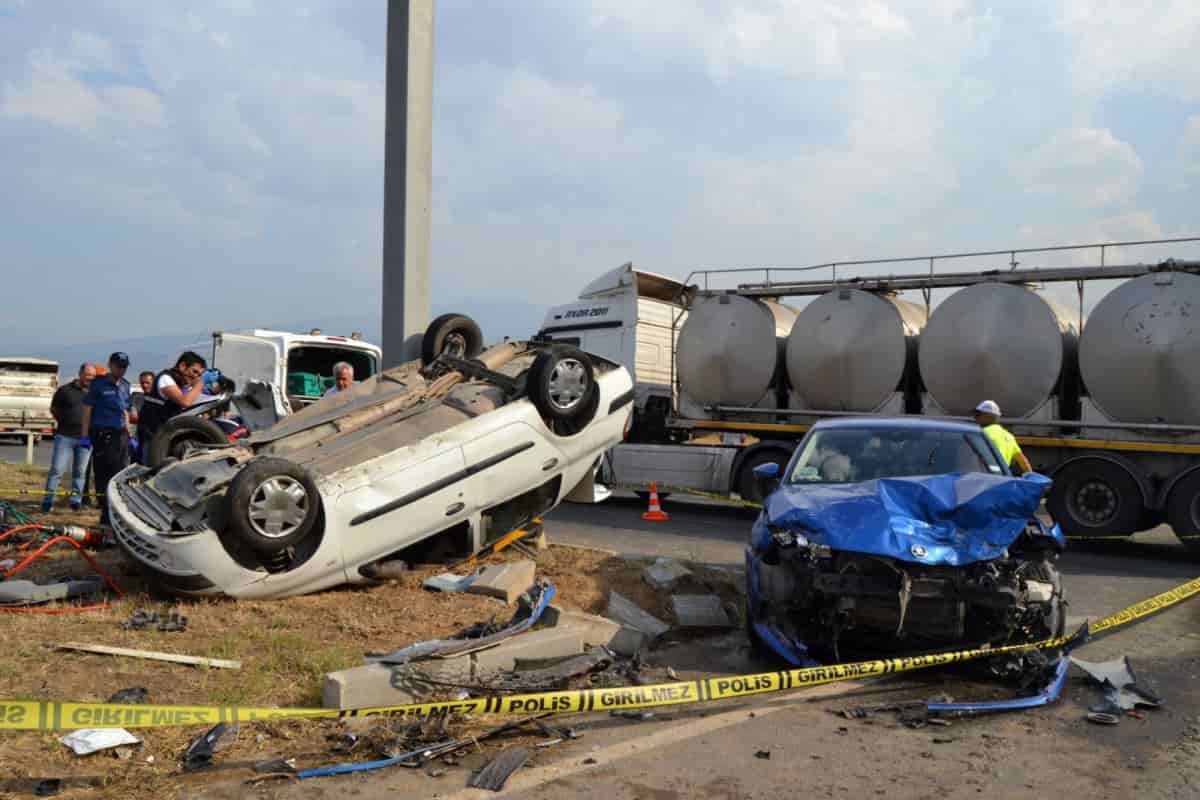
column 407, row 168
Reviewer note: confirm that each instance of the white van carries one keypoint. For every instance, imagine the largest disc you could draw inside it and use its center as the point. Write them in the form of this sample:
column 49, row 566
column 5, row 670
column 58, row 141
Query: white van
column 300, row 365
column 632, row 317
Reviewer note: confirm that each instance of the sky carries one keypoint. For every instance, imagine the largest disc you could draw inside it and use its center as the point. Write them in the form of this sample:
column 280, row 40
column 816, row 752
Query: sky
column 180, row 167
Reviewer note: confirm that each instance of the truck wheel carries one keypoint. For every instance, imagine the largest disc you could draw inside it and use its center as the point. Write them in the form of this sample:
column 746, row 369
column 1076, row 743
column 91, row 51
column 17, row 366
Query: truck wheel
column 1095, row 498
column 178, row 435
column 1183, row 511
column 562, row 386
column 454, row 335
column 747, row 481
column 273, row 505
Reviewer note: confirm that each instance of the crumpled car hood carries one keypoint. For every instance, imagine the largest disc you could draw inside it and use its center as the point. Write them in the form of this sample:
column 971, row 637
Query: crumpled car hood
column 944, row 520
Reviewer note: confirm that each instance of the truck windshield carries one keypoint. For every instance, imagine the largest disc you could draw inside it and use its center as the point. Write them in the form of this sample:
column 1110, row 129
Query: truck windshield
column 847, row 455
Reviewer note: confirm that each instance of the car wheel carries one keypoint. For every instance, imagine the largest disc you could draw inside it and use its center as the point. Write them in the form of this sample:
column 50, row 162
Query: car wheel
column 178, row 435
column 273, row 505
column 1095, row 498
column 747, row 482
column 454, row 335
column 562, row 386
column 1183, row 511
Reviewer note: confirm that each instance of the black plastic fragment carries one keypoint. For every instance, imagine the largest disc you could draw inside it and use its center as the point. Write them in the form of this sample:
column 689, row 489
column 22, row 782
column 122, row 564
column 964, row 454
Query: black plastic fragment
column 199, row 754
column 495, row 773
column 276, row 765
column 142, row 620
column 48, row 787
column 134, row 695
column 763, row 754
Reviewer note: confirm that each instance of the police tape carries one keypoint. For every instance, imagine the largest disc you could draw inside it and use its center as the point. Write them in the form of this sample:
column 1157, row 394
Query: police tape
column 54, row 715
column 42, row 493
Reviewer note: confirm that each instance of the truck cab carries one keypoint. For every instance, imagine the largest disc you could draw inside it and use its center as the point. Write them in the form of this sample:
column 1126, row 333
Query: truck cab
column 632, row 317
column 27, row 386
column 300, row 365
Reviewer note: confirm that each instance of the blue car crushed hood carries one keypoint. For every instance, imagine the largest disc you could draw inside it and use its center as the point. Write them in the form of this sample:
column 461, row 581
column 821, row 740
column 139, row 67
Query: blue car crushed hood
column 940, row 520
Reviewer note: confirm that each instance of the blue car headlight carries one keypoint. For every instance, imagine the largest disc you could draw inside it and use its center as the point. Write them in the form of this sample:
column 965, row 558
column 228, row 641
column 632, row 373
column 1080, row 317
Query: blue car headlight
column 786, row 538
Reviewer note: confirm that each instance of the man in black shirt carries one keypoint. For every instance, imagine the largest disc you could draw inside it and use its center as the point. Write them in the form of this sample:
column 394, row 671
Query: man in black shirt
column 67, row 409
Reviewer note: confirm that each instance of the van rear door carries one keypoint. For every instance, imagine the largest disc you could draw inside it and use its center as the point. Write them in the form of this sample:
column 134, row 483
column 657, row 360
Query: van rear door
column 243, row 358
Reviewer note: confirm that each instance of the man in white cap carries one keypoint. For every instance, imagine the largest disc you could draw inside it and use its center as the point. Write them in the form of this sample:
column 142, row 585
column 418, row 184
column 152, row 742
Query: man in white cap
column 987, row 415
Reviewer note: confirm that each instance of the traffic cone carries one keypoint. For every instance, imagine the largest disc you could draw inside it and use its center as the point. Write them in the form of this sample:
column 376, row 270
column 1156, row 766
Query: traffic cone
column 655, row 512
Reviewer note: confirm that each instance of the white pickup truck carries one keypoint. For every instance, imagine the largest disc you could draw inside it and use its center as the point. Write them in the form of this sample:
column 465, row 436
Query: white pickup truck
column 27, row 386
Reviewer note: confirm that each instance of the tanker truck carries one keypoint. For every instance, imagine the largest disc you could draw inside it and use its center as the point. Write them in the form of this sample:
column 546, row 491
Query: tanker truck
column 1108, row 405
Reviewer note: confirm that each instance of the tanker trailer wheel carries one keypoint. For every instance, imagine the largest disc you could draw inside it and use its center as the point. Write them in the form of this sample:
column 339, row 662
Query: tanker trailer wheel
column 454, row 335
column 1096, row 498
column 178, row 435
column 1183, row 511
column 273, row 505
column 747, row 482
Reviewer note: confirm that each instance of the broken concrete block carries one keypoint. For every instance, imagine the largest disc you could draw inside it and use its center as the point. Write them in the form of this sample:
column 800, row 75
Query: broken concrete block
column 663, row 573
column 628, row 613
column 700, row 611
column 505, row 581
column 374, row 684
column 449, row 582
column 544, row 643
column 596, row 630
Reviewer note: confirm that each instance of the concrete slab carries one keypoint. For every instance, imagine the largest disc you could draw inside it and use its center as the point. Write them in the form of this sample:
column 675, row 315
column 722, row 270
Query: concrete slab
column 700, row 611
column 375, row 685
column 629, row 614
column 664, row 572
column 596, row 630
column 544, row 643
column 504, row 581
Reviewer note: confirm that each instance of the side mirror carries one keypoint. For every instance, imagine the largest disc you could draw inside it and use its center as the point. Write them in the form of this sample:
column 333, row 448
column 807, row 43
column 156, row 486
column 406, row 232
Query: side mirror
column 767, row 477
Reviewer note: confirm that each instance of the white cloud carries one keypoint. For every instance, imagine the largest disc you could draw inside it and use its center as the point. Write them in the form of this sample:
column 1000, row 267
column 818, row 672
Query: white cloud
column 1085, row 167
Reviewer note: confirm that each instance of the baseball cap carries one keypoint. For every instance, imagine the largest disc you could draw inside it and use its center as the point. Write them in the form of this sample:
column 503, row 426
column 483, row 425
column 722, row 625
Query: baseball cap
column 988, row 407
column 119, row 358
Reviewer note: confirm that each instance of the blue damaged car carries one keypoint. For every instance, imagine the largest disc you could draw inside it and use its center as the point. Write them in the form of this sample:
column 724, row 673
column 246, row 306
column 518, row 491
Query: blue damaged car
column 899, row 535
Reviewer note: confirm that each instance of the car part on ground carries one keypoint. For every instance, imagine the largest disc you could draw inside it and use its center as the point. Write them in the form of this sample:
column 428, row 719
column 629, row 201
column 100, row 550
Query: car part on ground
column 901, row 563
column 496, row 772
column 199, row 754
column 468, row 448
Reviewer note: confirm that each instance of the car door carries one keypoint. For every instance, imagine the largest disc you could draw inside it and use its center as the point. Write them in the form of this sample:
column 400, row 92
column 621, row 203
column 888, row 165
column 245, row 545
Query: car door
column 510, row 459
column 392, row 505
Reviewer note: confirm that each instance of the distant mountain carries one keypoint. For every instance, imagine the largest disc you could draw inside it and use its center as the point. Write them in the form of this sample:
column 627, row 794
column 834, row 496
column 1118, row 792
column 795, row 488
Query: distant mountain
column 515, row 320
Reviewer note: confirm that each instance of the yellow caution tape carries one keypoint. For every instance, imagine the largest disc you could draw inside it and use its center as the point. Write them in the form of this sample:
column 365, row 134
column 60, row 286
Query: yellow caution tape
column 54, row 715
column 39, row 493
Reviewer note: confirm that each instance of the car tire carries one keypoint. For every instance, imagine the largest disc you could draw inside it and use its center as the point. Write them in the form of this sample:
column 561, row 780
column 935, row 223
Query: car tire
column 273, row 505
column 452, row 334
column 747, row 481
column 562, row 386
column 1183, row 511
column 177, row 434
column 1096, row 498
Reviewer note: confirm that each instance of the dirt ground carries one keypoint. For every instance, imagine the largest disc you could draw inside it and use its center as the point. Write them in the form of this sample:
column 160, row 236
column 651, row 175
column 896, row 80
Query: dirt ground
column 285, row 647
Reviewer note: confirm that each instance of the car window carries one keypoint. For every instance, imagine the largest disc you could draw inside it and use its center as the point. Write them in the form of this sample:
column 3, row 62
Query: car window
column 845, row 455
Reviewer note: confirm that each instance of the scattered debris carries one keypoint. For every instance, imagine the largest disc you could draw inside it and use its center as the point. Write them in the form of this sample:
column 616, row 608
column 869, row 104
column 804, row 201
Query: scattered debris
column 435, row 772
column 48, row 787
column 589, row 761
column 343, row 743
column 1121, row 691
column 629, row 614
column 765, row 755
column 557, row 673
column 276, row 765
column 504, row 581
column 634, row 714
column 495, row 773
column 93, row 740
column 200, row 752
column 152, row 619
column 27, row 593
column 664, row 572
column 102, row 649
column 674, row 676
column 134, row 695
column 448, row 582
column 700, row 611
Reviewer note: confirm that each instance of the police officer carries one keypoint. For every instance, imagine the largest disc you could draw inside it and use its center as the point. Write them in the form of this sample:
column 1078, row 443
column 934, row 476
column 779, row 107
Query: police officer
column 173, row 391
column 987, row 416
column 106, row 425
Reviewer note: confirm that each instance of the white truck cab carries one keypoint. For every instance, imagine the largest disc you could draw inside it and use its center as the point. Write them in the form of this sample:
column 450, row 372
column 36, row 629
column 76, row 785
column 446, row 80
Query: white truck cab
column 300, row 365
column 632, row 317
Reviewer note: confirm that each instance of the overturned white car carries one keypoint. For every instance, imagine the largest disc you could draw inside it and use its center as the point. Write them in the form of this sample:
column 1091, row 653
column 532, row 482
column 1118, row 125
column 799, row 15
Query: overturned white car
column 416, row 462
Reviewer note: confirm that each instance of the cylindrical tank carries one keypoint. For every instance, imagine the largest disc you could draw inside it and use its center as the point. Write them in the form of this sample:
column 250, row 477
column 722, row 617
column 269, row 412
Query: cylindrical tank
column 728, row 350
column 1140, row 351
column 848, row 349
column 995, row 341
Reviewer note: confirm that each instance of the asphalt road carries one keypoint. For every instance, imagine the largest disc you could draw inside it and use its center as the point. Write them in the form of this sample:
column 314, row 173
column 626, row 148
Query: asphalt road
column 12, row 451
column 790, row 745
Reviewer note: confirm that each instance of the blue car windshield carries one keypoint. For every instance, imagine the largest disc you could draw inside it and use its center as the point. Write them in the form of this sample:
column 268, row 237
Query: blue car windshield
column 849, row 455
